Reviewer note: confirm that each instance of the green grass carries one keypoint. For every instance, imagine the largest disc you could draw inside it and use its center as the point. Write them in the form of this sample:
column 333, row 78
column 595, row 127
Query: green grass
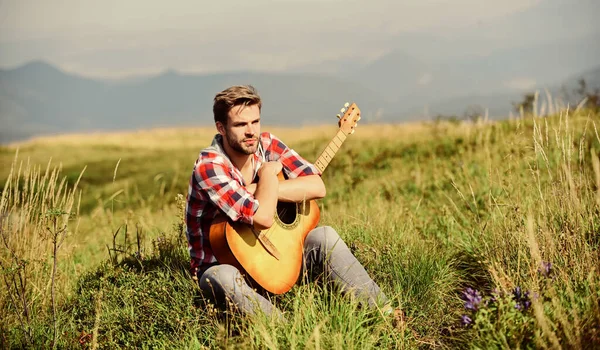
column 428, row 209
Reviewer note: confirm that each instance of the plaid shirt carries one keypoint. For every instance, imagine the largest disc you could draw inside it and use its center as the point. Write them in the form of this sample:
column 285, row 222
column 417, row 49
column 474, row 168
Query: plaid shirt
column 216, row 186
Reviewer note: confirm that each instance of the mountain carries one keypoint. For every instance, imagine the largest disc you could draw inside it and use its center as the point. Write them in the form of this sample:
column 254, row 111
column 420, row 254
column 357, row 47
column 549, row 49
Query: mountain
column 38, row 98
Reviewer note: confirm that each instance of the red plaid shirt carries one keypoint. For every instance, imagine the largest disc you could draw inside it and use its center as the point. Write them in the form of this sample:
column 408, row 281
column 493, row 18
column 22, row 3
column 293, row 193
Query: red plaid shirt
column 216, row 186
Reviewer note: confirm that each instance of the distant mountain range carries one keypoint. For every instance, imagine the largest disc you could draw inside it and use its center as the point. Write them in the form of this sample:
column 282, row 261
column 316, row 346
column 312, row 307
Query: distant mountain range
column 422, row 75
column 38, row 98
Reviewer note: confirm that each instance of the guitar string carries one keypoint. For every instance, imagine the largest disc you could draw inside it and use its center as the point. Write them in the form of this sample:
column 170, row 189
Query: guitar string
column 330, row 151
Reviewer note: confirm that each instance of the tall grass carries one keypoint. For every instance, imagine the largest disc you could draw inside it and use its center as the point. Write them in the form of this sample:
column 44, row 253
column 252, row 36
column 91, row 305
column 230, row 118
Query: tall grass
column 542, row 237
column 36, row 209
column 485, row 234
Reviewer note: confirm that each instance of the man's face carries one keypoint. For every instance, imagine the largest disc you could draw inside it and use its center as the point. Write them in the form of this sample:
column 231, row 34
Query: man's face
column 243, row 129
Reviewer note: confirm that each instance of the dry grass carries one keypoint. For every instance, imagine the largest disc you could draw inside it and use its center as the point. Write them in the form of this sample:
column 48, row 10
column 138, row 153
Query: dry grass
column 429, row 208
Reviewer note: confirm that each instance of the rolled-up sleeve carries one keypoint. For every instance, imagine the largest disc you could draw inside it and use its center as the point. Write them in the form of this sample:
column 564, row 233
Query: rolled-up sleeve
column 294, row 164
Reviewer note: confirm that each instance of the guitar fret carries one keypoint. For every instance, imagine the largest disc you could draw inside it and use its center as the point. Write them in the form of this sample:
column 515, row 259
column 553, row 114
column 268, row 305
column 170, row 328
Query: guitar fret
column 330, row 150
column 334, row 147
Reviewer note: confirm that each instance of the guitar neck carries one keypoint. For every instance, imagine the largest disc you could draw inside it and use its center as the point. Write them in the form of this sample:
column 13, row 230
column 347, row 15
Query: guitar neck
column 334, row 145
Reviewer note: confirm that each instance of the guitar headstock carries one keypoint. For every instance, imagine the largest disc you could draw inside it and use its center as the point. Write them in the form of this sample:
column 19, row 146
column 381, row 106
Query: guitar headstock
column 349, row 119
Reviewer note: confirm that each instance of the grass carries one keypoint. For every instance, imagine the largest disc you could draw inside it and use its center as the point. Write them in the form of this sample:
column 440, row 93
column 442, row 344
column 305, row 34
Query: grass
column 510, row 209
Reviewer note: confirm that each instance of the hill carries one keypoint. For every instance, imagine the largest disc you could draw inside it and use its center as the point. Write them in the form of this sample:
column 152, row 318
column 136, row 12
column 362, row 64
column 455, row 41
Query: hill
column 483, row 234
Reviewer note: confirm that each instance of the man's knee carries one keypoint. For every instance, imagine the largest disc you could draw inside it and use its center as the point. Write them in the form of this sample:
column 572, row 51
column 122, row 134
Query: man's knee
column 220, row 278
column 324, row 236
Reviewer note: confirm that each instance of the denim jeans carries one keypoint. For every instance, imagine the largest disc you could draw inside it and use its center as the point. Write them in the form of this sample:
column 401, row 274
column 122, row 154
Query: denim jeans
column 326, row 256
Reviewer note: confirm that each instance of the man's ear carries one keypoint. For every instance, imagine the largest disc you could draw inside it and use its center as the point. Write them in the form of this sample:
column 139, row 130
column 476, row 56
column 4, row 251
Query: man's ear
column 220, row 128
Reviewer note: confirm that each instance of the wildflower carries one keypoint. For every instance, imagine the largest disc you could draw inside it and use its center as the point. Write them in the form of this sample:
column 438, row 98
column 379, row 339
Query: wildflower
column 465, row 320
column 545, row 269
column 472, row 299
column 523, row 302
column 527, row 304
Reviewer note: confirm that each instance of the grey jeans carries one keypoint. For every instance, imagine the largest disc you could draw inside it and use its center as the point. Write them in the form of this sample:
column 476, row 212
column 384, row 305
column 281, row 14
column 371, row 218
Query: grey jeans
column 325, row 256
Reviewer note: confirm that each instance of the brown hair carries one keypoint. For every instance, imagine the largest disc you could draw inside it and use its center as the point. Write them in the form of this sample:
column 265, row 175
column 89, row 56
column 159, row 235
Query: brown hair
column 234, row 96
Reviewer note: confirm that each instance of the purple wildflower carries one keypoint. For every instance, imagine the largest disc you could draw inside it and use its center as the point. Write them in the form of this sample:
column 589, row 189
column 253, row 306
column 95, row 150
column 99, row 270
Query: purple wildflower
column 526, row 302
column 522, row 300
column 517, row 293
column 465, row 320
column 545, row 269
column 472, row 299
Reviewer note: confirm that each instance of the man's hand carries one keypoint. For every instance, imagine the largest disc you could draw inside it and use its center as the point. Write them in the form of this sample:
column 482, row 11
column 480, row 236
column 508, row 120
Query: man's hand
column 291, row 190
column 270, row 168
column 267, row 169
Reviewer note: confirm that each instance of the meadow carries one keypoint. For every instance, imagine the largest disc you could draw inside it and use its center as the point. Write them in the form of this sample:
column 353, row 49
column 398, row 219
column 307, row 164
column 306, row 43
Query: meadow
column 485, row 234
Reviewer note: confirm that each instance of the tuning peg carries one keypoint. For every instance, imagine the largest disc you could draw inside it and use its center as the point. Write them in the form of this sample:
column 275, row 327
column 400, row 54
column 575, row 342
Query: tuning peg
column 358, row 119
column 339, row 116
column 343, row 110
column 352, row 132
column 346, row 104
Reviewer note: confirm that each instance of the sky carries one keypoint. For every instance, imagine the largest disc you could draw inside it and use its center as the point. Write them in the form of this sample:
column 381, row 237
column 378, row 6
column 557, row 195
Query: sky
column 135, row 37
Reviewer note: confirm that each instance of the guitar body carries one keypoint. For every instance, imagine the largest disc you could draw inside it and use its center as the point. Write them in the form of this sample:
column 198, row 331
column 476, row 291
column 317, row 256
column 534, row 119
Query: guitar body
column 236, row 244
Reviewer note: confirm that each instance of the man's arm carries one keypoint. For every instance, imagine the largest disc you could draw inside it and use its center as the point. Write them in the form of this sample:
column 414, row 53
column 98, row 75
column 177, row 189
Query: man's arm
column 298, row 189
column 265, row 192
column 302, row 188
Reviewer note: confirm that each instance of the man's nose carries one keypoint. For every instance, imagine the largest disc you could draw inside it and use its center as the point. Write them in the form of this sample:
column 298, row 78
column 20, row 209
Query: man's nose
column 249, row 129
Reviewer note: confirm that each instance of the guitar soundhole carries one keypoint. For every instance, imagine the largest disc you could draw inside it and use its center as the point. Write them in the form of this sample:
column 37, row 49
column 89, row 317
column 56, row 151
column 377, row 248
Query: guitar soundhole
column 286, row 212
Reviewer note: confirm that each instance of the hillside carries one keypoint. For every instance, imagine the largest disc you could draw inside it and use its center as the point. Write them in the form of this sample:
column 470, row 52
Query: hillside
column 482, row 234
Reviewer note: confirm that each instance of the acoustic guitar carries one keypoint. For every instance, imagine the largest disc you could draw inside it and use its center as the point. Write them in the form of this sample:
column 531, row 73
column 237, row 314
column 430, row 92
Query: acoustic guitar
column 273, row 257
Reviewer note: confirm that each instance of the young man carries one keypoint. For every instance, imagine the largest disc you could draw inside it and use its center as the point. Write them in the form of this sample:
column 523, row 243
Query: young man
column 237, row 176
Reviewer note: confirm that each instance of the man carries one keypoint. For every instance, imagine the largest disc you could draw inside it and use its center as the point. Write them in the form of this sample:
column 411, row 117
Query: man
column 237, row 176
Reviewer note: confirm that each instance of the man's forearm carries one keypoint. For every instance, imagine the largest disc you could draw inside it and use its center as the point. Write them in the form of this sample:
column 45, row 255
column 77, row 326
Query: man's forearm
column 298, row 189
column 266, row 194
column 301, row 188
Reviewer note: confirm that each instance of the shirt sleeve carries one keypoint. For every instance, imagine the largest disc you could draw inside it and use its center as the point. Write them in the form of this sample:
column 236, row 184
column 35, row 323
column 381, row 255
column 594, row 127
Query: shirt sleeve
column 226, row 193
column 293, row 164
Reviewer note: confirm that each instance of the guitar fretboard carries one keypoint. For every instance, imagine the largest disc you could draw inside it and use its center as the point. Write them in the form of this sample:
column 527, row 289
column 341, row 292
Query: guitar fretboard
column 334, row 145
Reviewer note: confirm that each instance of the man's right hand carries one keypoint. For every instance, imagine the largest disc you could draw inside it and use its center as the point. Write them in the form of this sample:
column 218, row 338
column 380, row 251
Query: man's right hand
column 270, row 168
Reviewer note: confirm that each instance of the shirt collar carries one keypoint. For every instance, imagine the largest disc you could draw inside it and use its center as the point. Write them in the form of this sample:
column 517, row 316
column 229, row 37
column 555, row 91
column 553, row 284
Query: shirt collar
column 259, row 155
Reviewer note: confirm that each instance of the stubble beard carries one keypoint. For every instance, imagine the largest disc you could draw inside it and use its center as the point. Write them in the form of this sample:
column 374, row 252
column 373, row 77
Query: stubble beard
column 241, row 147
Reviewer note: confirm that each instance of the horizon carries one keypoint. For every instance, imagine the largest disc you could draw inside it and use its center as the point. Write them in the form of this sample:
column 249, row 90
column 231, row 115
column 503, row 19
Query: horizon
column 128, row 66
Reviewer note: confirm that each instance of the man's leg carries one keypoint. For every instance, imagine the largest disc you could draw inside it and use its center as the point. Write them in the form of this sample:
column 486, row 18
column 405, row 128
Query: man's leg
column 224, row 283
column 326, row 254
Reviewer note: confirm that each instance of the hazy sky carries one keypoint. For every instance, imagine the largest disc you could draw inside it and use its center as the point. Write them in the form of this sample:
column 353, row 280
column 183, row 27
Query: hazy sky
column 115, row 38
